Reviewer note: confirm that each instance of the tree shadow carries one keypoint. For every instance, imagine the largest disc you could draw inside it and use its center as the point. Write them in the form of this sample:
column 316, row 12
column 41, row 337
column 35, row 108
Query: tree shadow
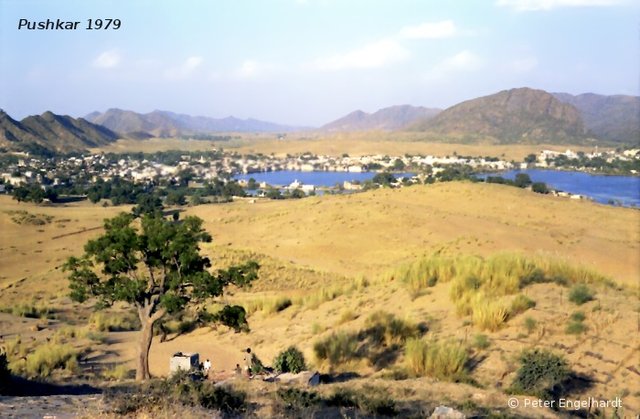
column 22, row 387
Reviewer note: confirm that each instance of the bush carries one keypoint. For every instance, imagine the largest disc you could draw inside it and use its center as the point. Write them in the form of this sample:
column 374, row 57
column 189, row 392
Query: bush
column 297, row 399
column 481, row 342
column 114, row 322
column 520, row 304
column 117, row 373
column 48, row 357
column 290, row 360
column 529, row 324
column 385, row 328
column 576, row 328
column 371, row 401
column 336, row 348
column 580, row 294
column 540, row 187
column 442, row 360
column 487, row 314
column 578, row 316
column 179, row 390
column 540, row 373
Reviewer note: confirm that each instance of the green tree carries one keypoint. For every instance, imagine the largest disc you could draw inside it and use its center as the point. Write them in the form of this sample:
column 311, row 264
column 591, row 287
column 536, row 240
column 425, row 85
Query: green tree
column 155, row 265
column 531, row 158
column 540, row 187
column 522, row 180
column 147, row 203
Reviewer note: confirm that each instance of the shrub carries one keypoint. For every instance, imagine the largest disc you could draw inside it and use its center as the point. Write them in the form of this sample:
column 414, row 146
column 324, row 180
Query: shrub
column 290, row 360
column 529, row 324
column 385, row 328
column 481, row 341
column 48, row 357
column 336, row 348
column 117, row 373
column 578, row 316
column 371, row 401
column 487, row 314
column 576, row 328
column 442, row 360
column 580, row 294
column 520, row 304
column 178, row 390
column 297, row 399
column 540, row 373
column 114, row 322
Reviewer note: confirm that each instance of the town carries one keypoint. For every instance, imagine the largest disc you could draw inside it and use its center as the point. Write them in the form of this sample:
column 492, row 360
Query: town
column 75, row 175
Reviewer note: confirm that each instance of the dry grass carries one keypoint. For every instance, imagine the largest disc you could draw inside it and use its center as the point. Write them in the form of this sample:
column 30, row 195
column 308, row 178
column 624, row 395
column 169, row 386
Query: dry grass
column 441, row 360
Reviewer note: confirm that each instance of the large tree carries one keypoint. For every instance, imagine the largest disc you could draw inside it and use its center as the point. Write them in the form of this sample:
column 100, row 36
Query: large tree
column 154, row 264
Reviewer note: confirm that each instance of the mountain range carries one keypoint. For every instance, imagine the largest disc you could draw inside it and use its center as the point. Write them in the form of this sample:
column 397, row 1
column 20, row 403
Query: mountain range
column 521, row 115
column 169, row 124
column 613, row 118
column 391, row 119
column 511, row 116
column 51, row 133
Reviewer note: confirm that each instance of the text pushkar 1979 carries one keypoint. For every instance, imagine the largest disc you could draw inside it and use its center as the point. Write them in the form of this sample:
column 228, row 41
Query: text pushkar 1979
column 67, row 25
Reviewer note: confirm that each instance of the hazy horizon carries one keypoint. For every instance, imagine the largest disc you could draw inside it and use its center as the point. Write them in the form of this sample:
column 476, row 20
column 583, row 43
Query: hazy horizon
column 308, row 62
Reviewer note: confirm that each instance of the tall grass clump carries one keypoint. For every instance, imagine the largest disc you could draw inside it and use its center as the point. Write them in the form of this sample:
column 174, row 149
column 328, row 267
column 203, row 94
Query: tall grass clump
column 49, row 357
column 385, row 328
column 520, row 304
column 323, row 294
column 114, row 322
column 337, row 348
column 488, row 314
column 441, row 360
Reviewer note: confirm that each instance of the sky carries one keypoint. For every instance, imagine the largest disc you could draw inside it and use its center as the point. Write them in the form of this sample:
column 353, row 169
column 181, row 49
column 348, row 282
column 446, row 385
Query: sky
column 308, row 62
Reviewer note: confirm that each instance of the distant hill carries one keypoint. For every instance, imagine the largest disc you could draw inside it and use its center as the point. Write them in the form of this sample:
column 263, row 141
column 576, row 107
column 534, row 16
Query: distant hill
column 391, row 118
column 520, row 115
column 169, row 124
column 51, row 133
column 614, row 118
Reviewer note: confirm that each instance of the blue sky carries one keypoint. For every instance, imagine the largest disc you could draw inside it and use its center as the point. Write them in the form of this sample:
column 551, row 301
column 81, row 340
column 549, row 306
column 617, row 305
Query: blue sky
column 307, row 62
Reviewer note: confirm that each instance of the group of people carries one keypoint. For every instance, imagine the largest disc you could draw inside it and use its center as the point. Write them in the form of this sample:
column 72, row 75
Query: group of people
column 248, row 362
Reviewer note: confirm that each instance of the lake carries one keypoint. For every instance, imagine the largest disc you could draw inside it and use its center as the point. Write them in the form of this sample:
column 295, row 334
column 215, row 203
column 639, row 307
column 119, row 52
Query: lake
column 600, row 188
column 318, row 179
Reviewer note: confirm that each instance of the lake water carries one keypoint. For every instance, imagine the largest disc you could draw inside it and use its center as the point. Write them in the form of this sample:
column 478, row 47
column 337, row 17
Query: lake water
column 318, row 179
column 600, row 188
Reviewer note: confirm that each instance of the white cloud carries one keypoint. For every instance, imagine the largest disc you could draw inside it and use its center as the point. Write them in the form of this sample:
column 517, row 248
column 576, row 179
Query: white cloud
column 251, row 69
column 185, row 69
column 463, row 61
column 108, row 59
column 536, row 5
column 429, row 30
column 373, row 55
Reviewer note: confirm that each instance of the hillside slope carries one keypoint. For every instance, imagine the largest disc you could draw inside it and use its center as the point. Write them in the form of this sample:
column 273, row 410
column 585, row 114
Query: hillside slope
column 52, row 133
column 391, row 118
column 168, row 124
column 511, row 116
column 614, row 118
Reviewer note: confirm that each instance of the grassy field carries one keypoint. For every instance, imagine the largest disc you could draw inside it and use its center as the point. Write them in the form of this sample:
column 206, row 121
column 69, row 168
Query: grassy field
column 357, row 274
column 354, row 144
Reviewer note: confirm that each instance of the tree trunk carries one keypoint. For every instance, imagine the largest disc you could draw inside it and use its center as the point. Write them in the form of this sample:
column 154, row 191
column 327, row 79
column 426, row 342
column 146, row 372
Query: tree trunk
column 146, row 336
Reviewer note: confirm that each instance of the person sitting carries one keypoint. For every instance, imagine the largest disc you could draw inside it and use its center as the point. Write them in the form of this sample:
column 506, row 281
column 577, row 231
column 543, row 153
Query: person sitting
column 206, row 367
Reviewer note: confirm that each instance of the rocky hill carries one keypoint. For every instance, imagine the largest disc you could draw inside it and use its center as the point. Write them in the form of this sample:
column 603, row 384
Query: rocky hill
column 613, row 118
column 169, row 124
column 520, row 115
column 391, row 118
column 51, row 133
